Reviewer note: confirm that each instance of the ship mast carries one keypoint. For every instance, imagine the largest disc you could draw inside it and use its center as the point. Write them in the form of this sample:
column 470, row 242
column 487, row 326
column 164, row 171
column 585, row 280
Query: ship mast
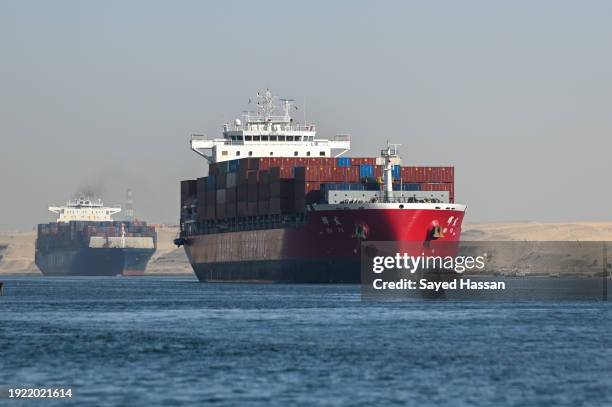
column 129, row 207
column 390, row 156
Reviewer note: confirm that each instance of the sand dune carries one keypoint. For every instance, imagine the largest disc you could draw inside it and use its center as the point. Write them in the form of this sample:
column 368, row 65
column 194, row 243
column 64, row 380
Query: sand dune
column 17, row 253
column 537, row 231
column 168, row 259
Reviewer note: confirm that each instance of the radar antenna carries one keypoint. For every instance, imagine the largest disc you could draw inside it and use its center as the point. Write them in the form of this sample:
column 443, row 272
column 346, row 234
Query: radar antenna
column 265, row 103
column 287, row 108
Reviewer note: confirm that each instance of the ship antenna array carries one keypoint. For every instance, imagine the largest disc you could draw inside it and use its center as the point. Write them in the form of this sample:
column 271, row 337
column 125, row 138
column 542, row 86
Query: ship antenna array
column 287, row 107
column 265, row 103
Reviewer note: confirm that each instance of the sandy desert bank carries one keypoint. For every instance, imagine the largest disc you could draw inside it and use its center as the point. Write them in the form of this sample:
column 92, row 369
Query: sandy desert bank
column 17, row 248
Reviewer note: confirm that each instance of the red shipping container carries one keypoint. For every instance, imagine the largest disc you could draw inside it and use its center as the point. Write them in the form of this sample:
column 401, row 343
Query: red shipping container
column 286, row 171
column 264, row 164
column 311, row 173
column 428, row 174
column 447, row 186
column 357, row 161
column 300, row 162
column 268, row 162
column 350, row 174
column 326, row 173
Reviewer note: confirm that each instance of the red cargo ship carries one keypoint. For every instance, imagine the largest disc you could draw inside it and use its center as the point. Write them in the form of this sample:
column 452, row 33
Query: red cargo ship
column 280, row 205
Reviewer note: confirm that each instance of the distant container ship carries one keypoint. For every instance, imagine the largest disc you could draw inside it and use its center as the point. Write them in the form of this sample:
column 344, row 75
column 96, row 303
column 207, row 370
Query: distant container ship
column 85, row 241
column 281, row 205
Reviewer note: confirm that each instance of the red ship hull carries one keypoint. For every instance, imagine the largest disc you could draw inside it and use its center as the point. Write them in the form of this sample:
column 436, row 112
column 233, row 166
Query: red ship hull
column 326, row 249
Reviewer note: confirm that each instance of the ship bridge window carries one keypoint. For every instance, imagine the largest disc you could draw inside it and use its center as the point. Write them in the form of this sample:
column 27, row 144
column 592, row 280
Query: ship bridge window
column 250, row 153
column 281, row 138
column 289, row 138
column 271, row 153
column 239, row 138
column 298, row 138
column 272, row 138
column 322, row 153
column 308, row 153
column 255, row 138
column 295, row 153
column 224, row 152
column 264, row 138
column 247, row 138
column 237, row 153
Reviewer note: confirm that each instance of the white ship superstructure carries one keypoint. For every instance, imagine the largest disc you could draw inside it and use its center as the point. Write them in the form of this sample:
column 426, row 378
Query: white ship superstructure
column 263, row 134
column 84, row 209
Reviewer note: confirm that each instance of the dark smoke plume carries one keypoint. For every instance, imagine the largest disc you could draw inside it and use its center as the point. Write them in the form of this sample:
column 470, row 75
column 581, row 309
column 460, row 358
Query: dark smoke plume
column 91, row 190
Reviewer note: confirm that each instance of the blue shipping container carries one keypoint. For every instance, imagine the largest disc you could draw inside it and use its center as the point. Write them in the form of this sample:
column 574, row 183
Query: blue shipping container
column 343, row 161
column 407, row 187
column 233, row 166
column 366, row 170
column 396, row 172
column 211, row 183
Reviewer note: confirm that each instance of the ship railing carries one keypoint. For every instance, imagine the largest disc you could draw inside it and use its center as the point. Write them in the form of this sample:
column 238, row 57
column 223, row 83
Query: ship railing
column 342, row 137
column 405, row 199
column 263, row 126
column 340, row 140
column 316, row 142
column 199, row 137
column 409, row 199
column 243, row 223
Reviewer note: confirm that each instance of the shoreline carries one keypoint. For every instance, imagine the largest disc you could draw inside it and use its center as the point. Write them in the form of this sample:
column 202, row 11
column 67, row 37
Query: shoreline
column 17, row 247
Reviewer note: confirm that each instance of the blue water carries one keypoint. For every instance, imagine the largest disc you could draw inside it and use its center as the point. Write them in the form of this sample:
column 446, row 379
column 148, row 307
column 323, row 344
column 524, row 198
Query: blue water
column 173, row 341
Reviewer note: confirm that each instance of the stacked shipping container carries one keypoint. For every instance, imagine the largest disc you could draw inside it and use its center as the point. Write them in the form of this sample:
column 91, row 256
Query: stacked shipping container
column 280, row 185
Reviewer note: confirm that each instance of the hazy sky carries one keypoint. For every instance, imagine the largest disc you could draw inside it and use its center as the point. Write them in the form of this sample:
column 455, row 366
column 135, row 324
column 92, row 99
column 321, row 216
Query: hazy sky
column 516, row 95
